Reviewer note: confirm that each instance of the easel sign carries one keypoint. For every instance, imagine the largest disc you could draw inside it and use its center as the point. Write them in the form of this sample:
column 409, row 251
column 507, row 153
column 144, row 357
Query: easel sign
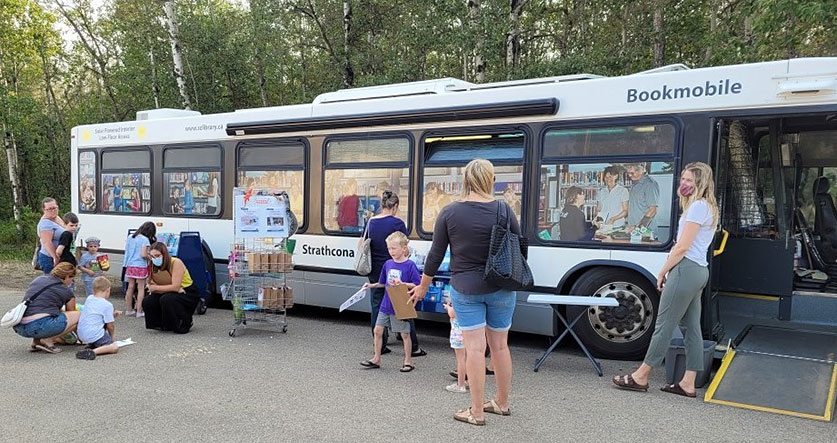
column 260, row 213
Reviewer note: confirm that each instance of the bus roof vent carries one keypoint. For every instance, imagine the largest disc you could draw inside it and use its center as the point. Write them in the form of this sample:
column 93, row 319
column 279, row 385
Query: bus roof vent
column 426, row 87
column 161, row 113
column 666, row 68
column 529, row 82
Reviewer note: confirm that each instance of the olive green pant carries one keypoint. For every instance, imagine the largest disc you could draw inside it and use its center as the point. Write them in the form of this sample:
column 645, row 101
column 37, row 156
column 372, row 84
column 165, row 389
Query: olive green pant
column 680, row 304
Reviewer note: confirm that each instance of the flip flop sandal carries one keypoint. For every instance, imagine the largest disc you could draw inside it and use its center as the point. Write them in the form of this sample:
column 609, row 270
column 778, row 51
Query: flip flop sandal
column 34, row 348
column 407, row 368
column 468, row 418
column 628, row 383
column 676, row 389
column 369, row 365
column 493, row 408
column 49, row 349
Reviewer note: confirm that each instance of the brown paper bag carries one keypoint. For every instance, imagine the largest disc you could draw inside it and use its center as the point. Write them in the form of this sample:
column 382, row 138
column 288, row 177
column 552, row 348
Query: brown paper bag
column 254, row 262
column 404, row 310
column 286, row 262
column 161, row 277
column 288, row 297
column 272, row 299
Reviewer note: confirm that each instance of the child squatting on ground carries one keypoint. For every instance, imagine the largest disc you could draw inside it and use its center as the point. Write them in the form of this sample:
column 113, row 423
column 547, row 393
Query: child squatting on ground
column 95, row 327
column 89, row 264
column 398, row 270
column 461, row 384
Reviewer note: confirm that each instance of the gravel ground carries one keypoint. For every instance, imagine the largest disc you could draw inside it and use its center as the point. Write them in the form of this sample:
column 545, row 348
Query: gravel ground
column 306, row 385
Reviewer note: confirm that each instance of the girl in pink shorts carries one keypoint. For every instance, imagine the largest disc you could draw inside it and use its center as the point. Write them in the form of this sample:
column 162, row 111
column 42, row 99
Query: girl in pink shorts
column 136, row 266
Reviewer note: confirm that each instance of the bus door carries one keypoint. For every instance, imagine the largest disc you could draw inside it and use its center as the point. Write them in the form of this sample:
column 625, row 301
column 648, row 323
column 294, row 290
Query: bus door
column 753, row 193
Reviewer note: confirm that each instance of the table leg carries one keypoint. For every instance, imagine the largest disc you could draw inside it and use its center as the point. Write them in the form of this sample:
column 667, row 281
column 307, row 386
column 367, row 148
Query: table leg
column 596, row 365
column 557, row 341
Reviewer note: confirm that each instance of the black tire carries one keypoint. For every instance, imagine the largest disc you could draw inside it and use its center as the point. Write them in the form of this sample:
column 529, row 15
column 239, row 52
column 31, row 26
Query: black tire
column 617, row 333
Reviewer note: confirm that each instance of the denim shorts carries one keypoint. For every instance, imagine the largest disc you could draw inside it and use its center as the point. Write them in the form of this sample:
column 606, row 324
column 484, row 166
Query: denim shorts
column 46, row 263
column 45, row 327
column 104, row 341
column 494, row 310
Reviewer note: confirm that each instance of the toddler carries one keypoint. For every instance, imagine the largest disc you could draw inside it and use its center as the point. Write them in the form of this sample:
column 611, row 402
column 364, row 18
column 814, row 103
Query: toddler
column 89, row 264
column 461, row 384
column 397, row 270
column 95, row 327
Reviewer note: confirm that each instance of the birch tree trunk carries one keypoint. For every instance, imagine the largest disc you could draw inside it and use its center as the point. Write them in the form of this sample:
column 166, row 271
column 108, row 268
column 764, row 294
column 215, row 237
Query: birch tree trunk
column 713, row 29
column 475, row 15
column 177, row 54
column 659, row 36
column 257, row 19
column 513, row 37
column 155, row 87
column 348, row 72
column 10, row 146
column 11, row 158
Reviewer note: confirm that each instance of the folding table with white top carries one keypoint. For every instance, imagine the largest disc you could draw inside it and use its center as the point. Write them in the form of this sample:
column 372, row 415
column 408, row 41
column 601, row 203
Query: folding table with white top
column 566, row 300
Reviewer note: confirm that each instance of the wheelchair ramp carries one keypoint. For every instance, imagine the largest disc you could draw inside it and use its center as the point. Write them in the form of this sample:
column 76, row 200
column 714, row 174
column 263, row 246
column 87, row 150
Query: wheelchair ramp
column 779, row 370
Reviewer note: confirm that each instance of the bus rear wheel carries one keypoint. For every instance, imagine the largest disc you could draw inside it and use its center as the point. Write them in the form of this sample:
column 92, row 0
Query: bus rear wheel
column 620, row 332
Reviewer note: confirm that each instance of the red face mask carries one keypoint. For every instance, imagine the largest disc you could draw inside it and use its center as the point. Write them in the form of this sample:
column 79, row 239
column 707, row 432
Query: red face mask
column 686, row 189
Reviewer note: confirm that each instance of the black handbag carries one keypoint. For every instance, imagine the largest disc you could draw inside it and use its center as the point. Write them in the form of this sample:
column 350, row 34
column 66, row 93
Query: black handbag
column 506, row 266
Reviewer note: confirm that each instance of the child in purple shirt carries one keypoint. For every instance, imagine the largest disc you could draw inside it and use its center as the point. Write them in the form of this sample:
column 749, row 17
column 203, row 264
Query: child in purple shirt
column 396, row 271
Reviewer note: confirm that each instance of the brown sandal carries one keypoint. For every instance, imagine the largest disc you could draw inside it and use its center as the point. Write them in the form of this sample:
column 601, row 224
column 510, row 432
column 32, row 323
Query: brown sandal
column 493, row 408
column 469, row 418
column 676, row 389
column 628, row 383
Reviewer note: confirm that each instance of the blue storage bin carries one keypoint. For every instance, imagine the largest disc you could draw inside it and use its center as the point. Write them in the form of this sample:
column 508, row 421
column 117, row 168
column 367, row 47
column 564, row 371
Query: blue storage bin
column 433, row 295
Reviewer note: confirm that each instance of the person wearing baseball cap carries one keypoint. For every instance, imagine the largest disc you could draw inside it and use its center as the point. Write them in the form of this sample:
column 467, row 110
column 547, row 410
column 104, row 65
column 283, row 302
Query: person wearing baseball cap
column 90, row 265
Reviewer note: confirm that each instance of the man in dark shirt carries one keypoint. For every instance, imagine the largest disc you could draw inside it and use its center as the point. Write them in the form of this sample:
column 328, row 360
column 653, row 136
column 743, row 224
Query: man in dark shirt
column 65, row 242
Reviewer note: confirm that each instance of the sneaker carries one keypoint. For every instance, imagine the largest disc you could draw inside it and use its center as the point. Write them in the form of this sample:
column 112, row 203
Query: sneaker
column 86, row 354
column 454, row 387
column 140, row 314
column 70, row 338
column 130, row 313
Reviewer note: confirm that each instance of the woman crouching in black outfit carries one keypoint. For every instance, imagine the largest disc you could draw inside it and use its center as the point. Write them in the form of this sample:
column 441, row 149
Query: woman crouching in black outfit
column 174, row 296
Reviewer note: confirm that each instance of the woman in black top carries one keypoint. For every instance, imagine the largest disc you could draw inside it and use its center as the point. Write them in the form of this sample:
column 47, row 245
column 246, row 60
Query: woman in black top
column 379, row 228
column 482, row 309
column 43, row 320
column 573, row 226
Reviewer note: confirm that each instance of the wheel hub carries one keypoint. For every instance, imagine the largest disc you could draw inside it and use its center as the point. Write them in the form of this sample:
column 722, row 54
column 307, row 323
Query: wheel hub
column 626, row 322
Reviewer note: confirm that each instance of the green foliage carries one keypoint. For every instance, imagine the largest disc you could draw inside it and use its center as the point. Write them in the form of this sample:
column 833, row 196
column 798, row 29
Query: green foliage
column 70, row 62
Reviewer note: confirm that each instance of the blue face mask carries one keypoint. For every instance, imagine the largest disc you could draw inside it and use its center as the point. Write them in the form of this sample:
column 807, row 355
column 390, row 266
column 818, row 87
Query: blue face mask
column 157, row 261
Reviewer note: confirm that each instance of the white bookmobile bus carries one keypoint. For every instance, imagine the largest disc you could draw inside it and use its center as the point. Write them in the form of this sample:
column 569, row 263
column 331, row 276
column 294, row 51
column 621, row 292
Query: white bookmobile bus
column 768, row 129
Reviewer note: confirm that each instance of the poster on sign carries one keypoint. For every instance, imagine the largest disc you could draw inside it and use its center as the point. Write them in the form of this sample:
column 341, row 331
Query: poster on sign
column 260, row 213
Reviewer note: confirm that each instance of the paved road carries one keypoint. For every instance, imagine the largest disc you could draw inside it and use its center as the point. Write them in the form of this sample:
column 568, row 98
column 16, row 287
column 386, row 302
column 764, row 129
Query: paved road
column 306, row 385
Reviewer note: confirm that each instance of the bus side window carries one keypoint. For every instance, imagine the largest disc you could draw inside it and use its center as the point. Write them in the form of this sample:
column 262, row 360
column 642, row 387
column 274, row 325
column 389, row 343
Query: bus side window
column 357, row 172
column 192, row 180
column 126, row 181
column 446, row 157
column 87, row 181
column 278, row 165
column 607, row 202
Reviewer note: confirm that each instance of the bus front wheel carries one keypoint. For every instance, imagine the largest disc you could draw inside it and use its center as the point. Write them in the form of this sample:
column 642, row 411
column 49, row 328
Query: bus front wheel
column 620, row 332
